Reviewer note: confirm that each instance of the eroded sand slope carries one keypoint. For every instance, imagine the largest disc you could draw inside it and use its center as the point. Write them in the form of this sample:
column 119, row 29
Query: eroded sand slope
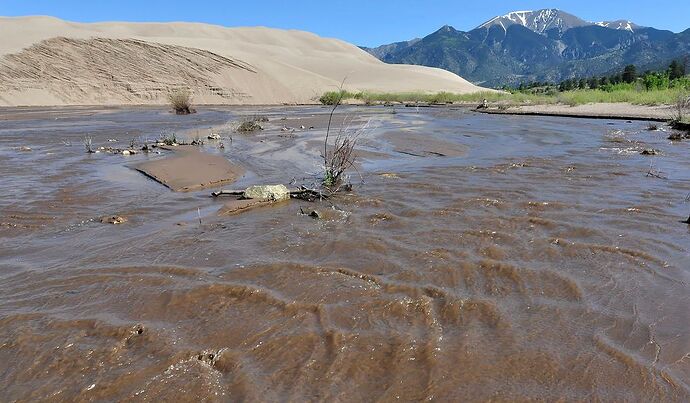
column 47, row 61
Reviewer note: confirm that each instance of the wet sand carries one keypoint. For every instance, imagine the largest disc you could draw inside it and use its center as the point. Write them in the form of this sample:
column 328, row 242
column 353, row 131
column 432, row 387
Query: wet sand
column 191, row 169
column 660, row 113
column 538, row 261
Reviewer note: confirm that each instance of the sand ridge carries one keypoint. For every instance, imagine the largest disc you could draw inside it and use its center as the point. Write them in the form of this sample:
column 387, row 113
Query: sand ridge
column 288, row 66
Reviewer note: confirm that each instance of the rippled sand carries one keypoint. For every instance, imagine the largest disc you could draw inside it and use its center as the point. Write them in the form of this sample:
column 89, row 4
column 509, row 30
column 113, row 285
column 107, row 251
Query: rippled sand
column 482, row 258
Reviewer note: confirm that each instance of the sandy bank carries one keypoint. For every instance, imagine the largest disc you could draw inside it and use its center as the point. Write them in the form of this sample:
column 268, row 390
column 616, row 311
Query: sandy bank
column 597, row 111
column 191, row 169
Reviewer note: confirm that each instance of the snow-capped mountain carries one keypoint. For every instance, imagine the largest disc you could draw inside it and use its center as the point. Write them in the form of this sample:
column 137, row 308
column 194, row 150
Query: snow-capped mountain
column 541, row 21
column 619, row 24
column 543, row 45
column 538, row 21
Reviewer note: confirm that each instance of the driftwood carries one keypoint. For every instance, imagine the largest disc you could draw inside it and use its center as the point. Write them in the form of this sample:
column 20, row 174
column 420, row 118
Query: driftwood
column 228, row 193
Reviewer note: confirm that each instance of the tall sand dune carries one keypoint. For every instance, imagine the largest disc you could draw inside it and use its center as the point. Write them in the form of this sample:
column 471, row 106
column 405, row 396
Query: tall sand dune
column 46, row 61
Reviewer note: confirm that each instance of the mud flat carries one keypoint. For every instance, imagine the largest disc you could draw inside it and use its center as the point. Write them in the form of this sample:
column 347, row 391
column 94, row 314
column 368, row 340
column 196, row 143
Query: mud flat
column 659, row 113
column 510, row 258
column 191, row 169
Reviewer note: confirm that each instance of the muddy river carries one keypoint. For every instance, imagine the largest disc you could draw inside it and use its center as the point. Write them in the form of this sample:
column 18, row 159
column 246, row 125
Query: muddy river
column 477, row 258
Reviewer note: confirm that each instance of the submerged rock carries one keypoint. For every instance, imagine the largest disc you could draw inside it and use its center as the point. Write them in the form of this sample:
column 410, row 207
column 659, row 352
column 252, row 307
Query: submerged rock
column 267, row 192
column 115, row 219
column 649, row 151
column 326, row 214
column 25, row 148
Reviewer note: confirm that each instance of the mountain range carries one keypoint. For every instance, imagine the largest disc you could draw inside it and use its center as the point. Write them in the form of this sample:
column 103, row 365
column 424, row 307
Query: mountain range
column 543, row 45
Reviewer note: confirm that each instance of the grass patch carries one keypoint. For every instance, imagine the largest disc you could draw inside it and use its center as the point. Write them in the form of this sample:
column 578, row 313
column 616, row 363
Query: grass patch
column 577, row 97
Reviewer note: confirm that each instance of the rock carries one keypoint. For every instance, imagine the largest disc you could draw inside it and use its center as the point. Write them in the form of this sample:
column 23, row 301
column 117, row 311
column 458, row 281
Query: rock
column 649, row 151
column 302, row 127
column 267, row 192
column 24, row 148
column 125, row 152
column 675, row 136
column 115, row 219
column 285, row 129
column 327, row 214
column 214, row 136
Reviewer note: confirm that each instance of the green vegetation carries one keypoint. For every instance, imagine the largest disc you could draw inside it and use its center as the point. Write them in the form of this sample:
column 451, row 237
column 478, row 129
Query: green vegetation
column 651, row 88
column 575, row 97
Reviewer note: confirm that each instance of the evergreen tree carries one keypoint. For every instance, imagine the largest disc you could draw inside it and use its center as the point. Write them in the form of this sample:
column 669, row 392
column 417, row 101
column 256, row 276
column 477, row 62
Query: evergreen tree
column 676, row 70
column 593, row 83
column 629, row 74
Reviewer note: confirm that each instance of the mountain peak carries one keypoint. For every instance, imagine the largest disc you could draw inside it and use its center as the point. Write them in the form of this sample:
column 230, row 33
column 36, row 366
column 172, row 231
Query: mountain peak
column 624, row 25
column 538, row 21
column 543, row 20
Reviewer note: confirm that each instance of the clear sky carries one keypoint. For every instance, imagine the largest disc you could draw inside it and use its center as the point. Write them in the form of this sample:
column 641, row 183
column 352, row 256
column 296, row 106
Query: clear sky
column 362, row 22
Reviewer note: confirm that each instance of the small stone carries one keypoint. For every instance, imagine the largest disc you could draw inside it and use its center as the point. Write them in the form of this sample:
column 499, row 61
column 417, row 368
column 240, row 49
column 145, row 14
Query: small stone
column 25, row 148
column 115, row 219
column 302, row 127
column 649, row 151
column 125, row 152
column 214, row 136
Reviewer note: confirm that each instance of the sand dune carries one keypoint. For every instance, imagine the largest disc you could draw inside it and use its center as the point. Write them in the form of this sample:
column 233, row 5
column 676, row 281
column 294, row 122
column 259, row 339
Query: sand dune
column 47, row 61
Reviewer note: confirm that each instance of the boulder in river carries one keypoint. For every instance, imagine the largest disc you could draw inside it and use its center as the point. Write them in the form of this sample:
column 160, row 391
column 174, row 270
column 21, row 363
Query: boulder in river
column 115, row 219
column 267, row 192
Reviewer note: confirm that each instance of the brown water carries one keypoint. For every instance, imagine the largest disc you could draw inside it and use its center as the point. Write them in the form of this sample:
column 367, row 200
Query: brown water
column 482, row 258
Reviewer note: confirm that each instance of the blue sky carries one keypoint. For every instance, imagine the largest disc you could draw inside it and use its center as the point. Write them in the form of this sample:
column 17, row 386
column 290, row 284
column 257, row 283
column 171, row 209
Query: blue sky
column 362, row 22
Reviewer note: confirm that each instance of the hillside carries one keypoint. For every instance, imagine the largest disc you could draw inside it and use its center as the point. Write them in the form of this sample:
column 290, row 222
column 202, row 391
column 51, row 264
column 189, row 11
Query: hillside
column 47, row 61
column 543, row 45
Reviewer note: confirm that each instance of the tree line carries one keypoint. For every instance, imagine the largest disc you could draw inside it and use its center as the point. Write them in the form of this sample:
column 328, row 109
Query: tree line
column 674, row 76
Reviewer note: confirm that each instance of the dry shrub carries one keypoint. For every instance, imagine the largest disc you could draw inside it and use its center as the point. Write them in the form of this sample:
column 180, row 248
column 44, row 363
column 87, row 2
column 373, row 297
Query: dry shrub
column 181, row 101
column 342, row 157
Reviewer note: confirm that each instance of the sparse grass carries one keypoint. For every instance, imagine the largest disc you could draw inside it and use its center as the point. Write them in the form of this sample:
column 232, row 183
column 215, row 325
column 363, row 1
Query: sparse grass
column 181, row 101
column 197, row 140
column 573, row 98
column 248, row 126
column 88, row 144
column 169, row 139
